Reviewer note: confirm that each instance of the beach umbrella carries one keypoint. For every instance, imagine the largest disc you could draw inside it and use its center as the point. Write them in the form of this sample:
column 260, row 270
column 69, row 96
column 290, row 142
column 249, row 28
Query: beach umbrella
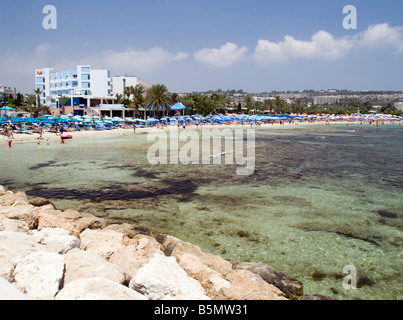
column 17, row 120
column 30, row 120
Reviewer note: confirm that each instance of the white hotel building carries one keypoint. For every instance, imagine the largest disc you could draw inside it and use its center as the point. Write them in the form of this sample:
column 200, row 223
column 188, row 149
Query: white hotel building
column 83, row 81
column 91, row 91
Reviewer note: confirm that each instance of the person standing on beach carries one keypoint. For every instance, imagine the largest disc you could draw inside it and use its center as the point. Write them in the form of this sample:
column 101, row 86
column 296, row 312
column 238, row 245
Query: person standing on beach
column 40, row 132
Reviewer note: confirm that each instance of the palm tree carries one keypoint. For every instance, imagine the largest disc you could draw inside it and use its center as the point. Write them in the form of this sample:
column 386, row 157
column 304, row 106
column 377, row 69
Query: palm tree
column 63, row 100
column 269, row 105
column 157, row 96
column 38, row 102
column 30, row 100
column 279, row 105
column 128, row 91
column 138, row 98
column 249, row 103
column 119, row 98
column 189, row 101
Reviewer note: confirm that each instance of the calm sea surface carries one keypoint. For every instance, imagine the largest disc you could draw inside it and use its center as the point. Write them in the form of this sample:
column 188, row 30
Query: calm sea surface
column 321, row 198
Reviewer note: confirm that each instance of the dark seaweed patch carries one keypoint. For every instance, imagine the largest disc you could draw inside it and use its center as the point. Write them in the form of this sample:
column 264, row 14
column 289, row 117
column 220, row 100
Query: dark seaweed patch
column 351, row 236
column 387, row 214
column 44, row 165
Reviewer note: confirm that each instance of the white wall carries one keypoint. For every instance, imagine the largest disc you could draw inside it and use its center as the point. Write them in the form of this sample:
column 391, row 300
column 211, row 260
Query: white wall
column 99, row 83
column 119, row 84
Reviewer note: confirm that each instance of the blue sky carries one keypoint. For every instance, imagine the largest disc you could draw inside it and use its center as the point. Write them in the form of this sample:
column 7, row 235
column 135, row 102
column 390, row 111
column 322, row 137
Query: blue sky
column 192, row 45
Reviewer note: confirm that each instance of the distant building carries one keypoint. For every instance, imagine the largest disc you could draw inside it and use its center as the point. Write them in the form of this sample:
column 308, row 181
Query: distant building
column 399, row 105
column 9, row 91
column 321, row 100
column 119, row 84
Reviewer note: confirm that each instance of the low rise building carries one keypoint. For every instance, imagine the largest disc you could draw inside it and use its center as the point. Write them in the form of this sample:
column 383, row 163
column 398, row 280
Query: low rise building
column 7, row 91
column 321, row 100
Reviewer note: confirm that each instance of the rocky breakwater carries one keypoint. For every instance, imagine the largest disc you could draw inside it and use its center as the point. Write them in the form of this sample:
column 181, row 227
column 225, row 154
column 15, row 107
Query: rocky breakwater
column 49, row 254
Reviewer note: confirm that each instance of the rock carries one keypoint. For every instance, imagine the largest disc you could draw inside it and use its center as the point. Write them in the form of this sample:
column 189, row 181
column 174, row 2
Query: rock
column 13, row 247
column 90, row 222
column 24, row 213
column 163, row 279
column 97, row 289
column 176, row 248
column 291, row 288
column 246, row 285
column 39, row 275
column 135, row 253
column 315, row 297
column 48, row 218
column 130, row 230
column 57, row 240
column 13, row 225
column 39, row 202
column 103, row 242
column 14, row 199
column 83, row 264
column 211, row 280
column 9, row 292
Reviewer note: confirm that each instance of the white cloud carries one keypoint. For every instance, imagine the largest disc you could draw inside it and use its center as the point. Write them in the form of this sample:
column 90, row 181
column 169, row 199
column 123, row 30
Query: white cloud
column 324, row 45
column 42, row 48
column 136, row 60
column 225, row 56
column 382, row 34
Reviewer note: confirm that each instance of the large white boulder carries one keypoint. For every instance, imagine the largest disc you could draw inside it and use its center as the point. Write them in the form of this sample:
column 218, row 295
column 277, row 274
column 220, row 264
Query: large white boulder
column 39, row 275
column 163, row 279
column 13, row 247
column 85, row 264
column 57, row 240
column 97, row 289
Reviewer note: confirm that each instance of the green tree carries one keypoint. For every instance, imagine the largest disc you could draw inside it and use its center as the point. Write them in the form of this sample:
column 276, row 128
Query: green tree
column 63, row 101
column 38, row 93
column 268, row 105
column 279, row 105
column 249, row 103
column 189, row 101
column 30, row 100
column 156, row 98
column 119, row 98
column 138, row 98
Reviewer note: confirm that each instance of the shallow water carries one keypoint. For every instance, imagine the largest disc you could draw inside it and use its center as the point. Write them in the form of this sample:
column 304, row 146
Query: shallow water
column 321, row 198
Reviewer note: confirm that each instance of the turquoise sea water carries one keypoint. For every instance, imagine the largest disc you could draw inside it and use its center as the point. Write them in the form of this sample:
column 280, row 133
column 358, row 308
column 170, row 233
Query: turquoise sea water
column 321, row 198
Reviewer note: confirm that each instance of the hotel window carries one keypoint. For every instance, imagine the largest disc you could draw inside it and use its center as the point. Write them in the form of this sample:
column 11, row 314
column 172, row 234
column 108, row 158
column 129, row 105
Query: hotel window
column 85, row 69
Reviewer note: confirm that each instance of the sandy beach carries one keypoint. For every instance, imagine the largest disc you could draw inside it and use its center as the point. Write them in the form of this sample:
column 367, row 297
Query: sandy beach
column 87, row 134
